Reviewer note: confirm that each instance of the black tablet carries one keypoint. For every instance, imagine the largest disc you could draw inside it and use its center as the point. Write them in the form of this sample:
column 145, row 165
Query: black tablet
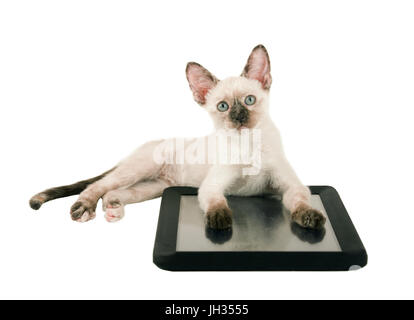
column 262, row 237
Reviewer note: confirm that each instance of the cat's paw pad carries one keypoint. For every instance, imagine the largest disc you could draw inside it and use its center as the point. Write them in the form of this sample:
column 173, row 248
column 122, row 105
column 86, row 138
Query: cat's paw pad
column 114, row 212
column 219, row 218
column 308, row 217
column 111, row 203
column 81, row 211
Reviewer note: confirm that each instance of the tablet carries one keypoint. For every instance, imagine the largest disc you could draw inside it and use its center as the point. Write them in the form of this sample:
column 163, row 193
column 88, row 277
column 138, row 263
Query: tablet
column 262, row 236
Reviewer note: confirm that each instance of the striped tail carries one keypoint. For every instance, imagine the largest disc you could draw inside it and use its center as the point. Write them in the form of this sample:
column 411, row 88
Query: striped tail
column 64, row 191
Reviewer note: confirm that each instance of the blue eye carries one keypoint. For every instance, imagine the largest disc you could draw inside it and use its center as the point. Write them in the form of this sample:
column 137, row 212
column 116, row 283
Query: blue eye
column 250, row 100
column 222, row 106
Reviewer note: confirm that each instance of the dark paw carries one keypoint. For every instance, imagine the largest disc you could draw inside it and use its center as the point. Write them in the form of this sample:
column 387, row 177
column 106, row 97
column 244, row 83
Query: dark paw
column 220, row 218
column 308, row 217
column 218, row 236
column 82, row 211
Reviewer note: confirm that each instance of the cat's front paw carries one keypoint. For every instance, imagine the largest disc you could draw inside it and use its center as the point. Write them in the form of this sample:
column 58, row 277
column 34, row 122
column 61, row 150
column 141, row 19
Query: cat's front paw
column 82, row 211
column 219, row 218
column 307, row 217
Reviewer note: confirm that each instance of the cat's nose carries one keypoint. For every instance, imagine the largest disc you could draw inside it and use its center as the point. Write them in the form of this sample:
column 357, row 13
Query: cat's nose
column 239, row 113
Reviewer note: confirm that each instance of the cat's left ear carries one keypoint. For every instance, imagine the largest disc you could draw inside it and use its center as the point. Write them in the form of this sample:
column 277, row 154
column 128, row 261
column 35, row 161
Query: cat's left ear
column 258, row 67
column 201, row 81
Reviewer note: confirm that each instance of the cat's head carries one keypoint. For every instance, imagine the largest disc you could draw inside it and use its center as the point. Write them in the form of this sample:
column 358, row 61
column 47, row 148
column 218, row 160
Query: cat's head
column 235, row 102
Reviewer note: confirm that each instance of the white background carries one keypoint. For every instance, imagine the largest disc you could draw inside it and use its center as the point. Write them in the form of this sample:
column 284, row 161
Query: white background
column 83, row 83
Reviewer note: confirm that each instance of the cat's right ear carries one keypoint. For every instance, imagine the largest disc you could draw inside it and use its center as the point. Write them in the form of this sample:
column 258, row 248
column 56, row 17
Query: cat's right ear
column 201, row 81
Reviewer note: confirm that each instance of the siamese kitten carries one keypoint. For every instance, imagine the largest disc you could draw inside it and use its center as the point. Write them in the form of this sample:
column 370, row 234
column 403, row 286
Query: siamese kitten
column 236, row 105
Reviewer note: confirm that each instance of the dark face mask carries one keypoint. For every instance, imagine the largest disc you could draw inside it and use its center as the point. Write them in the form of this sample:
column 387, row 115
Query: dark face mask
column 239, row 114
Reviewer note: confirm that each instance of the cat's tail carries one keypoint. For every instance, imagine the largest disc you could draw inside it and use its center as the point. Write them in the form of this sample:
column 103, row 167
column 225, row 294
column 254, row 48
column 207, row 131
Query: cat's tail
column 64, row 191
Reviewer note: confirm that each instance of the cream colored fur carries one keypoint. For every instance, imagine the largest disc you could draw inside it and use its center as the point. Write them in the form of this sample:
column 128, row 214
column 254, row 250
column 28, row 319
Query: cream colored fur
column 139, row 177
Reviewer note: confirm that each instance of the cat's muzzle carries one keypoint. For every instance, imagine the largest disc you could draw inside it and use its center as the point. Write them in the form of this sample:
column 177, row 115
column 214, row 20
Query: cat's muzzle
column 239, row 114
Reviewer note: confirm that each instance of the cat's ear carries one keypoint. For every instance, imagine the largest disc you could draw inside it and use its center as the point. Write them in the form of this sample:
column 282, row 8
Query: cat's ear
column 201, row 81
column 258, row 67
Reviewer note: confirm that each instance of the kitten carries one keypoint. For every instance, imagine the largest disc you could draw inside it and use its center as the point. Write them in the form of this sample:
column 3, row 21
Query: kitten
column 236, row 105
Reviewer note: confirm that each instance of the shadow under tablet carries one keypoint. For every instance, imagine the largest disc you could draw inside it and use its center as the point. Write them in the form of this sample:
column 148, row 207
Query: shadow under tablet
column 259, row 224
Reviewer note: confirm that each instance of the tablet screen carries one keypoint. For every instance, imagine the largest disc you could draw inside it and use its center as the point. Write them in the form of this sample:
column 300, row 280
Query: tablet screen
column 259, row 224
